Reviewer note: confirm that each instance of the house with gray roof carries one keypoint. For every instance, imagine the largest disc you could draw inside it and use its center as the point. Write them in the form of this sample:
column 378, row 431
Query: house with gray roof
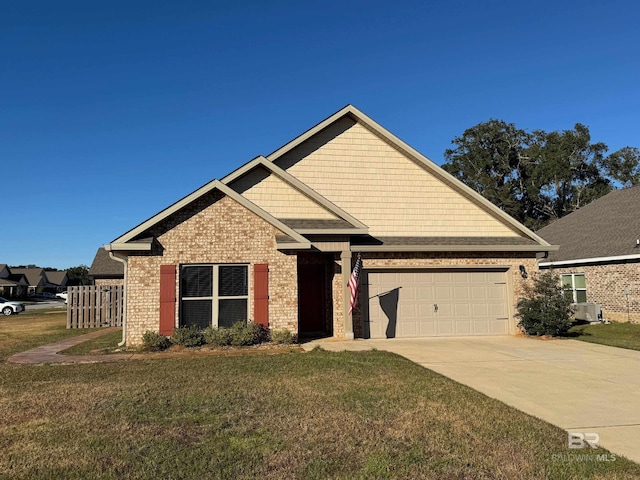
column 276, row 241
column 39, row 279
column 12, row 285
column 105, row 270
column 599, row 255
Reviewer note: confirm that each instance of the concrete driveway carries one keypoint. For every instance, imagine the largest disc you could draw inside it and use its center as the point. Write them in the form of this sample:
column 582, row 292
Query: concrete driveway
column 578, row 386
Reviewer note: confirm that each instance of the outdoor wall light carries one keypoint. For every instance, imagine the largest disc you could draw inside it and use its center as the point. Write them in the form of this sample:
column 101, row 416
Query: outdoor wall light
column 523, row 271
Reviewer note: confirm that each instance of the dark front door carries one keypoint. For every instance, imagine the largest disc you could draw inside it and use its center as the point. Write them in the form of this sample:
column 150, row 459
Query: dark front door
column 311, row 300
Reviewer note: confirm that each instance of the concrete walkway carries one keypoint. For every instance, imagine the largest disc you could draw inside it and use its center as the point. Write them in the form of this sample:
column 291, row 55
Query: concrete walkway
column 49, row 353
column 578, row 386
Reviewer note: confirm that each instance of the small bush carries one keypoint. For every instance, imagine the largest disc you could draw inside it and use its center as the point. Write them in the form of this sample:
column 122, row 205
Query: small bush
column 154, row 342
column 545, row 309
column 283, row 337
column 240, row 334
column 189, row 336
column 244, row 334
column 219, row 337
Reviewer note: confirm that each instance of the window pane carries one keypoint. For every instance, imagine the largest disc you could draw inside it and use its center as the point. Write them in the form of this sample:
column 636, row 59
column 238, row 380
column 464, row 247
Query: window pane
column 566, row 281
column 579, row 281
column 231, row 311
column 196, row 312
column 581, row 296
column 232, row 280
column 197, row 281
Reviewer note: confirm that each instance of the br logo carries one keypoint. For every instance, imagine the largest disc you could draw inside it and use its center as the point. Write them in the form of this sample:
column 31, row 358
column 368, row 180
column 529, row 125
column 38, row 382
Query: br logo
column 581, row 440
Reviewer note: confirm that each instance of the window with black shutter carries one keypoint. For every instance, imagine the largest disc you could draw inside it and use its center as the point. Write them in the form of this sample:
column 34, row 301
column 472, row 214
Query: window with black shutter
column 214, row 295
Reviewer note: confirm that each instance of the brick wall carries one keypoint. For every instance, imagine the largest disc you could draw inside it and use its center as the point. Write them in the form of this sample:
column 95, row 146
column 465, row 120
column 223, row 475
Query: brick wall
column 606, row 286
column 510, row 260
column 213, row 229
column 108, row 281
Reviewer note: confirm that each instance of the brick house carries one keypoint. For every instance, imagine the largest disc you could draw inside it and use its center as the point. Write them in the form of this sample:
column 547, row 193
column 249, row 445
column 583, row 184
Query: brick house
column 105, row 270
column 275, row 242
column 599, row 255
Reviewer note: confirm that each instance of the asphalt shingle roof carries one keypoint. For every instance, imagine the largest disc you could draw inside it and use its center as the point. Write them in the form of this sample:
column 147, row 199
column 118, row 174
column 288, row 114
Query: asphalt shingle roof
column 105, row 266
column 607, row 227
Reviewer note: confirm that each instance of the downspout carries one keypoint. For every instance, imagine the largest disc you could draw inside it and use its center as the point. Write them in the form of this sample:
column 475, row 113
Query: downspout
column 123, row 260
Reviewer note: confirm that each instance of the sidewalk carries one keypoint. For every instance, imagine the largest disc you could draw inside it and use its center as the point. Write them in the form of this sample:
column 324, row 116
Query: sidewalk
column 49, row 353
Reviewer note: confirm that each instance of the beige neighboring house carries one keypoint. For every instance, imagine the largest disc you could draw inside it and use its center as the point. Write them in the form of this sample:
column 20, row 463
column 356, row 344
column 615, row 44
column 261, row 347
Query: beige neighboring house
column 12, row 285
column 275, row 242
column 57, row 279
column 599, row 255
column 105, row 270
column 34, row 280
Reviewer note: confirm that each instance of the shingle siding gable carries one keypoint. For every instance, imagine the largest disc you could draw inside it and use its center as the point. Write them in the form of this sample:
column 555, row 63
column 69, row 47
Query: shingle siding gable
column 379, row 185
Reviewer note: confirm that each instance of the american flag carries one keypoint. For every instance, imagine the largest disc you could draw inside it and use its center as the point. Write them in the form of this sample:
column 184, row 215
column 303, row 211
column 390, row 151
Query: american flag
column 354, row 281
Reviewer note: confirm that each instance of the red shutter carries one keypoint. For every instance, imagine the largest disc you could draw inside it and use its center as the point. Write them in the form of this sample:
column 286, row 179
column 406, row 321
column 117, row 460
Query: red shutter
column 167, row 299
column 261, row 294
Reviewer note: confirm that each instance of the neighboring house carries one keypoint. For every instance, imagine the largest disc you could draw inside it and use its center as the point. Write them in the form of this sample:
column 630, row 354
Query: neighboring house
column 12, row 285
column 599, row 256
column 39, row 280
column 57, row 279
column 36, row 278
column 105, row 270
column 275, row 242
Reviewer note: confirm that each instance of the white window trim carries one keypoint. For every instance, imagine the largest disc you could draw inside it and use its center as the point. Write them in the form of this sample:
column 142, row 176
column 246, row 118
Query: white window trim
column 215, row 298
column 575, row 289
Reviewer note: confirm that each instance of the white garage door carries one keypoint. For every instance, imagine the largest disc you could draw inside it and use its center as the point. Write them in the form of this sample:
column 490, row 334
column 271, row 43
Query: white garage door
column 422, row 303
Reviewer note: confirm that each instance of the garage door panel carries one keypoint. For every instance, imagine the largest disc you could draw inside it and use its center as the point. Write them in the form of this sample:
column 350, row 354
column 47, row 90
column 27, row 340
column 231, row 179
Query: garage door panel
column 443, row 292
column 461, row 293
column 437, row 303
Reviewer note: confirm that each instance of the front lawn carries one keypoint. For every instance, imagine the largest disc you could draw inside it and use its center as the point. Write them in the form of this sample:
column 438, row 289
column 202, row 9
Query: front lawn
column 31, row 329
column 623, row 335
column 297, row 415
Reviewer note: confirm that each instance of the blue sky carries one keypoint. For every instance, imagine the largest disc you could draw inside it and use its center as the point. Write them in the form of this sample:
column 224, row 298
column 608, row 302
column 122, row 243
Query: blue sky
column 111, row 111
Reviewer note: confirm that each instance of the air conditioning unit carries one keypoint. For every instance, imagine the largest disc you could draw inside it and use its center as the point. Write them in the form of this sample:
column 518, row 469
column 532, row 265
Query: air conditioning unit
column 588, row 312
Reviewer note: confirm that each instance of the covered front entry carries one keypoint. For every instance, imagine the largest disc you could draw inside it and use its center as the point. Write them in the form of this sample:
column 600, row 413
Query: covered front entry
column 435, row 302
column 315, row 312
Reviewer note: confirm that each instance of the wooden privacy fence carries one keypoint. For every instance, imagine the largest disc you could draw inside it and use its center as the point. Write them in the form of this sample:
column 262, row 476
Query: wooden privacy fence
column 95, row 306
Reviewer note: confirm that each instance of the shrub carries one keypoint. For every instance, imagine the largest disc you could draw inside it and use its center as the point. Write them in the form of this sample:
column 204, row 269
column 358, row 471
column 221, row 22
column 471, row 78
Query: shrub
column 247, row 334
column 238, row 335
column 220, row 337
column 545, row 308
column 282, row 337
column 154, row 342
column 189, row 336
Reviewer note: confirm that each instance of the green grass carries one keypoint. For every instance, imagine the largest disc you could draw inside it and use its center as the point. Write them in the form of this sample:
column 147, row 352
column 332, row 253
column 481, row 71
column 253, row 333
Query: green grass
column 104, row 344
column 313, row 415
column 32, row 329
column 623, row 335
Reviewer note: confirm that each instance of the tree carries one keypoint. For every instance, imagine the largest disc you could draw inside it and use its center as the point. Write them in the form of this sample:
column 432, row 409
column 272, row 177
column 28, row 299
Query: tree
column 567, row 171
column 489, row 158
column 78, row 275
column 539, row 176
column 623, row 166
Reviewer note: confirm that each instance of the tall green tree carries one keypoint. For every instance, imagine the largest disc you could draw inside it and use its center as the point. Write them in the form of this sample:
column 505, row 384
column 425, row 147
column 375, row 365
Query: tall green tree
column 623, row 166
column 78, row 275
column 567, row 171
column 540, row 176
column 489, row 157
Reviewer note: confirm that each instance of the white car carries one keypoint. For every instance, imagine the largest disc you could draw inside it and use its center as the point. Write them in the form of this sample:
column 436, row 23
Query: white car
column 9, row 308
column 62, row 295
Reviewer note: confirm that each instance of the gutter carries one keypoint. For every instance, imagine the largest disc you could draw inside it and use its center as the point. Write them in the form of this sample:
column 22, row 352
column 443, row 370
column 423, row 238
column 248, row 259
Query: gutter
column 122, row 260
column 582, row 261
